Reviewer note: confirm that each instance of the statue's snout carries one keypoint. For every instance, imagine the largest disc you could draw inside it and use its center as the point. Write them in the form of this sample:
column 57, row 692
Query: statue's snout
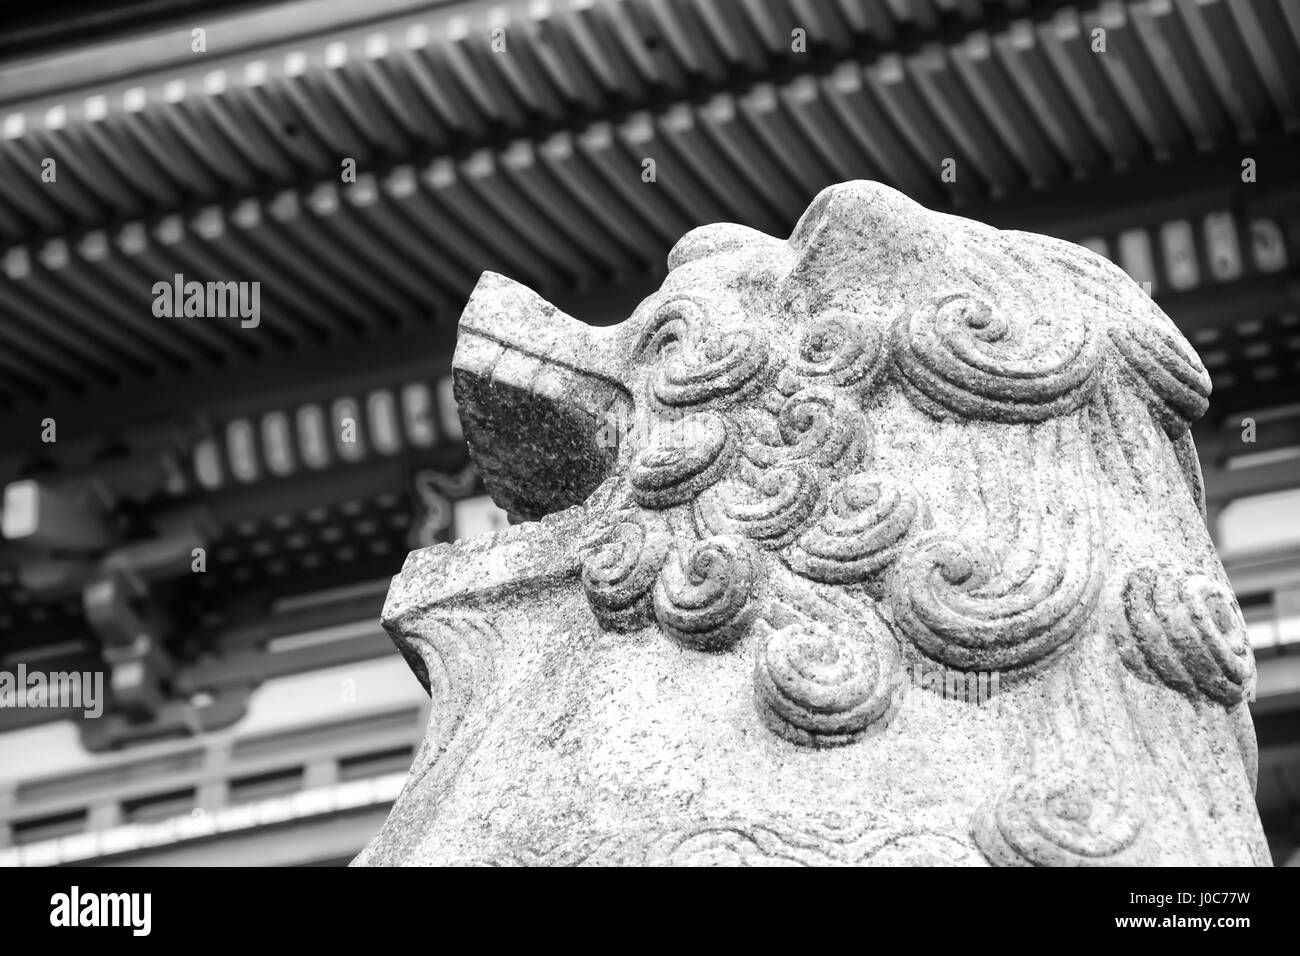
column 535, row 388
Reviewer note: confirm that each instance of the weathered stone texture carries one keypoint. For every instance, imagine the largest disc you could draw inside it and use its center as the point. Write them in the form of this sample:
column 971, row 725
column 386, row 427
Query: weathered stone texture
column 899, row 455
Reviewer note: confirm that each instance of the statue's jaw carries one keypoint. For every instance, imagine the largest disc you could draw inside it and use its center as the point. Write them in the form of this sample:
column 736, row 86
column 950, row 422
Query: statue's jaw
column 536, row 395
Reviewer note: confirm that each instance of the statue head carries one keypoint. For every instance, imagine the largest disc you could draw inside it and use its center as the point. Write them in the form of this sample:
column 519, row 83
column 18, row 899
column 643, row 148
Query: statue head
column 897, row 443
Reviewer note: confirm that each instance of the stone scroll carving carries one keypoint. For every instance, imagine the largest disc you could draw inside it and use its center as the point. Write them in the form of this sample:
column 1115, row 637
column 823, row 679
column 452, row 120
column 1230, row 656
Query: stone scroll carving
column 769, row 522
column 1185, row 630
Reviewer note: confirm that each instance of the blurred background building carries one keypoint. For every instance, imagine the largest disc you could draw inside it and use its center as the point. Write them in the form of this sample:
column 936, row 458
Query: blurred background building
column 185, row 509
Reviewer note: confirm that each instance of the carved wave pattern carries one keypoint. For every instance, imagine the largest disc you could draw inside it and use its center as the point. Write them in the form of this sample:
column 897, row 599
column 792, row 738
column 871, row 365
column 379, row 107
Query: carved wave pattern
column 682, row 459
column 861, row 533
column 1185, row 630
column 1158, row 364
column 619, row 576
column 965, row 606
column 823, row 685
column 702, row 364
column 820, row 425
column 1072, row 815
column 707, row 597
column 767, row 505
column 742, row 469
column 784, row 474
column 734, row 842
column 741, row 844
column 1163, row 368
column 841, row 349
column 1078, row 800
column 1011, row 356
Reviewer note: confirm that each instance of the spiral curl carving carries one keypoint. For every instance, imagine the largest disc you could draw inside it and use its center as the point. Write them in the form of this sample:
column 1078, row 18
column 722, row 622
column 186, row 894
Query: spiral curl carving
column 956, row 604
column 1068, row 816
column 1078, row 797
column 682, row 459
column 702, row 364
column 862, row 531
column 619, row 575
column 1186, row 631
column 821, row 685
column 769, row 506
column 1163, row 369
column 818, row 425
column 707, row 598
column 841, row 349
column 972, row 606
column 964, row 354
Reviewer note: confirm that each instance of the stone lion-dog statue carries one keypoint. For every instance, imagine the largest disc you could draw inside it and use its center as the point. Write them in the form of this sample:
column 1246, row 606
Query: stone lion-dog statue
column 883, row 544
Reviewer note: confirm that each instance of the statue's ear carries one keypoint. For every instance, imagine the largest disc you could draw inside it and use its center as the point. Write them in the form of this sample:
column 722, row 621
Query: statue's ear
column 714, row 239
column 861, row 229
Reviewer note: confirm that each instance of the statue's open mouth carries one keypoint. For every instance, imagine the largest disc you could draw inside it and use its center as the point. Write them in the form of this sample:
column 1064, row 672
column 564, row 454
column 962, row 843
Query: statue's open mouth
column 536, row 417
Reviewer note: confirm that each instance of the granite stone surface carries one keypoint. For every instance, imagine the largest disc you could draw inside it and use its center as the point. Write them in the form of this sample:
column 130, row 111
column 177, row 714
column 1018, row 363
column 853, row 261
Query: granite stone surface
column 883, row 544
